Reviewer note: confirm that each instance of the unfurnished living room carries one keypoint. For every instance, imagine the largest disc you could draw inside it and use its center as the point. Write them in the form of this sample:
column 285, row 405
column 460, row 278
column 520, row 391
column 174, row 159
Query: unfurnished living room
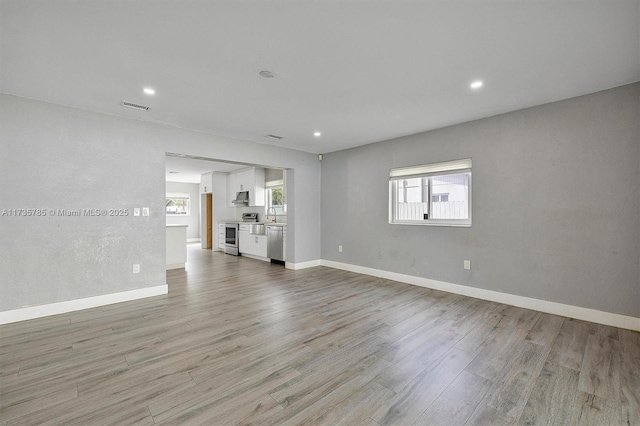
column 288, row 212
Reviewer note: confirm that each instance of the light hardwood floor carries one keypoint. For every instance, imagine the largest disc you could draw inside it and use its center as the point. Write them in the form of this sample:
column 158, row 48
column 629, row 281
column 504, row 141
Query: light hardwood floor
column 240, row 341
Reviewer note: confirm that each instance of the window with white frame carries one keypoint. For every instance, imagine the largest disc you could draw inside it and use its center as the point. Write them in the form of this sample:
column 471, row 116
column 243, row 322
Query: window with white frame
column 275, row 197
column 177, row 204
column 431, row 194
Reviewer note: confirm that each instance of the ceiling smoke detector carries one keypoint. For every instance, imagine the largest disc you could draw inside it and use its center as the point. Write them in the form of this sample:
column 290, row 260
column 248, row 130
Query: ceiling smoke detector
column 267, row 74
column 135, row 106
column 276, row 137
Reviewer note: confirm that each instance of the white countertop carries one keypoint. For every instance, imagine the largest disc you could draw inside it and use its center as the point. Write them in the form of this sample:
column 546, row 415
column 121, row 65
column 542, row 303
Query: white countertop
column 171, row 225
column 254, row 223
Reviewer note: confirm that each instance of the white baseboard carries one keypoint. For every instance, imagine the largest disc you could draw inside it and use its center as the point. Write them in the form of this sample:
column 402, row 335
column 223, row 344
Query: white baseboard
column 40, row 311
column 175, row 266
column 577, row 312
column 302, row 265
column 586, row 314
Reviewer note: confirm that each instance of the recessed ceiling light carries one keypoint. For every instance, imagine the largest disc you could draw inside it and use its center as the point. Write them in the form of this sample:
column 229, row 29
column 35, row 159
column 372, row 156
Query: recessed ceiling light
column 149, row 91
column 317, row 134
column 267, row 74
column 476, row 84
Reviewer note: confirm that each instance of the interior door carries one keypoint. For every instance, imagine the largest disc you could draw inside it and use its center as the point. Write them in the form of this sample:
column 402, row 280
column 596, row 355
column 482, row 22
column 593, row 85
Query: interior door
column 209, row 221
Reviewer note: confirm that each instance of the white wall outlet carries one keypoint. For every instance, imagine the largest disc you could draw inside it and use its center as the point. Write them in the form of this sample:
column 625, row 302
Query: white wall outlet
column 136, row 211
column 467, row 264
column 145, row 211
column 136, row 268
column 339, row 249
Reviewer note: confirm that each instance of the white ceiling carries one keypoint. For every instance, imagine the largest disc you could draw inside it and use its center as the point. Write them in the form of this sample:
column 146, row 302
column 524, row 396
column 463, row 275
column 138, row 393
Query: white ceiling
column 358, row 71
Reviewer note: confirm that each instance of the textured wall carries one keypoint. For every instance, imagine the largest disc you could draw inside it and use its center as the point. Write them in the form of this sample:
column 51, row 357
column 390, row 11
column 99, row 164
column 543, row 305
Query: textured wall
column 55, row 157
column 60, row 158
column 556, row 202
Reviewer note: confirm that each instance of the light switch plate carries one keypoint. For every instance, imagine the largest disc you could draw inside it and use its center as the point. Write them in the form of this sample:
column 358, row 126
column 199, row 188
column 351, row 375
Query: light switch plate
column 145, row 211
column 136, row 211
column 136, row 268
column 467, row 264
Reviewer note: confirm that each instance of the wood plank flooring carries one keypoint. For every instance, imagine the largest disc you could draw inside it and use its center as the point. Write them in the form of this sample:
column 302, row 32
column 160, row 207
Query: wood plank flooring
column 240, row 341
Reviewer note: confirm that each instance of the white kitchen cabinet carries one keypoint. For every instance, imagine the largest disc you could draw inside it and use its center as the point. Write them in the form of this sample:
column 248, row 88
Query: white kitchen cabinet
column 176, row 246
column 233, row 187
column 244, row 246
column 221, row 236
column 260, row 245
column 251, row 180
column 243, row 180
column 206, row 183
column 251, row 244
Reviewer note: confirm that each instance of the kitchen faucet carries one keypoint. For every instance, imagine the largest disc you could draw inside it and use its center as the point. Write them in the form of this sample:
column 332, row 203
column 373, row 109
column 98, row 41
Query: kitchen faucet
column 275, row 214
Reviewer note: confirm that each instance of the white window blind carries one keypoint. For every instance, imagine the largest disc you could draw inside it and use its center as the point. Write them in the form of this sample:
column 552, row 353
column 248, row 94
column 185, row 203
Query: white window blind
column 445, row 167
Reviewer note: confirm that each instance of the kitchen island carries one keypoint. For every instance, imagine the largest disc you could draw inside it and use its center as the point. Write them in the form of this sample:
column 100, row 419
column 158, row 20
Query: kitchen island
column 176, row 246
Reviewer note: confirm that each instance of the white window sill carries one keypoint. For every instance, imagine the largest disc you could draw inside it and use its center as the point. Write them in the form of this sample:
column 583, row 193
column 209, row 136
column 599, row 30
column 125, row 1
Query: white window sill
column 434, row 223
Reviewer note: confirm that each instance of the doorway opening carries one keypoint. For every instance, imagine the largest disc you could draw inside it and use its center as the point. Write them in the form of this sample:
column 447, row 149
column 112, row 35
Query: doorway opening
column 216, row 181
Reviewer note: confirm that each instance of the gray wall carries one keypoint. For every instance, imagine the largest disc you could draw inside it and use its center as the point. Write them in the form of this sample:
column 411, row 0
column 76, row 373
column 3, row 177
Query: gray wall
column 53, row 157
column 193, row 220
column 272, row 174
column 556, row 204
column 59, row 158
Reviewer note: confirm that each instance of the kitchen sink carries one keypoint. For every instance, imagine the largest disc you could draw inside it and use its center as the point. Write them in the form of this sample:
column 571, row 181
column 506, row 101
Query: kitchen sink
column 257, row 229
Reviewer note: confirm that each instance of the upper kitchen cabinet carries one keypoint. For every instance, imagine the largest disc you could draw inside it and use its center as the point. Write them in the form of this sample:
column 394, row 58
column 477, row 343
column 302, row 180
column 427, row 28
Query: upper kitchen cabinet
column 206, row 183
column 250, row 180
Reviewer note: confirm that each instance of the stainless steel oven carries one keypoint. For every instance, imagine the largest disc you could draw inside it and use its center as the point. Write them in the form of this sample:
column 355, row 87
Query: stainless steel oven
column 231, row 238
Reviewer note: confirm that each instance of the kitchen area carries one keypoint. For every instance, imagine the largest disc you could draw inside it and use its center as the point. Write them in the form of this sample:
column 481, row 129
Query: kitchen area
column 263, row 241
column 248, row 213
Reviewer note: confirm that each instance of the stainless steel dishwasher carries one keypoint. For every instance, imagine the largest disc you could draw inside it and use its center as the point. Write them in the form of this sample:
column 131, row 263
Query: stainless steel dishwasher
column 274, row 243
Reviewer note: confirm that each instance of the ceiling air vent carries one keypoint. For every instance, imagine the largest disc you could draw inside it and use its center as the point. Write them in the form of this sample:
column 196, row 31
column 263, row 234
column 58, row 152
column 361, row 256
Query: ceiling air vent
column 135, row 106
column 274, row 137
